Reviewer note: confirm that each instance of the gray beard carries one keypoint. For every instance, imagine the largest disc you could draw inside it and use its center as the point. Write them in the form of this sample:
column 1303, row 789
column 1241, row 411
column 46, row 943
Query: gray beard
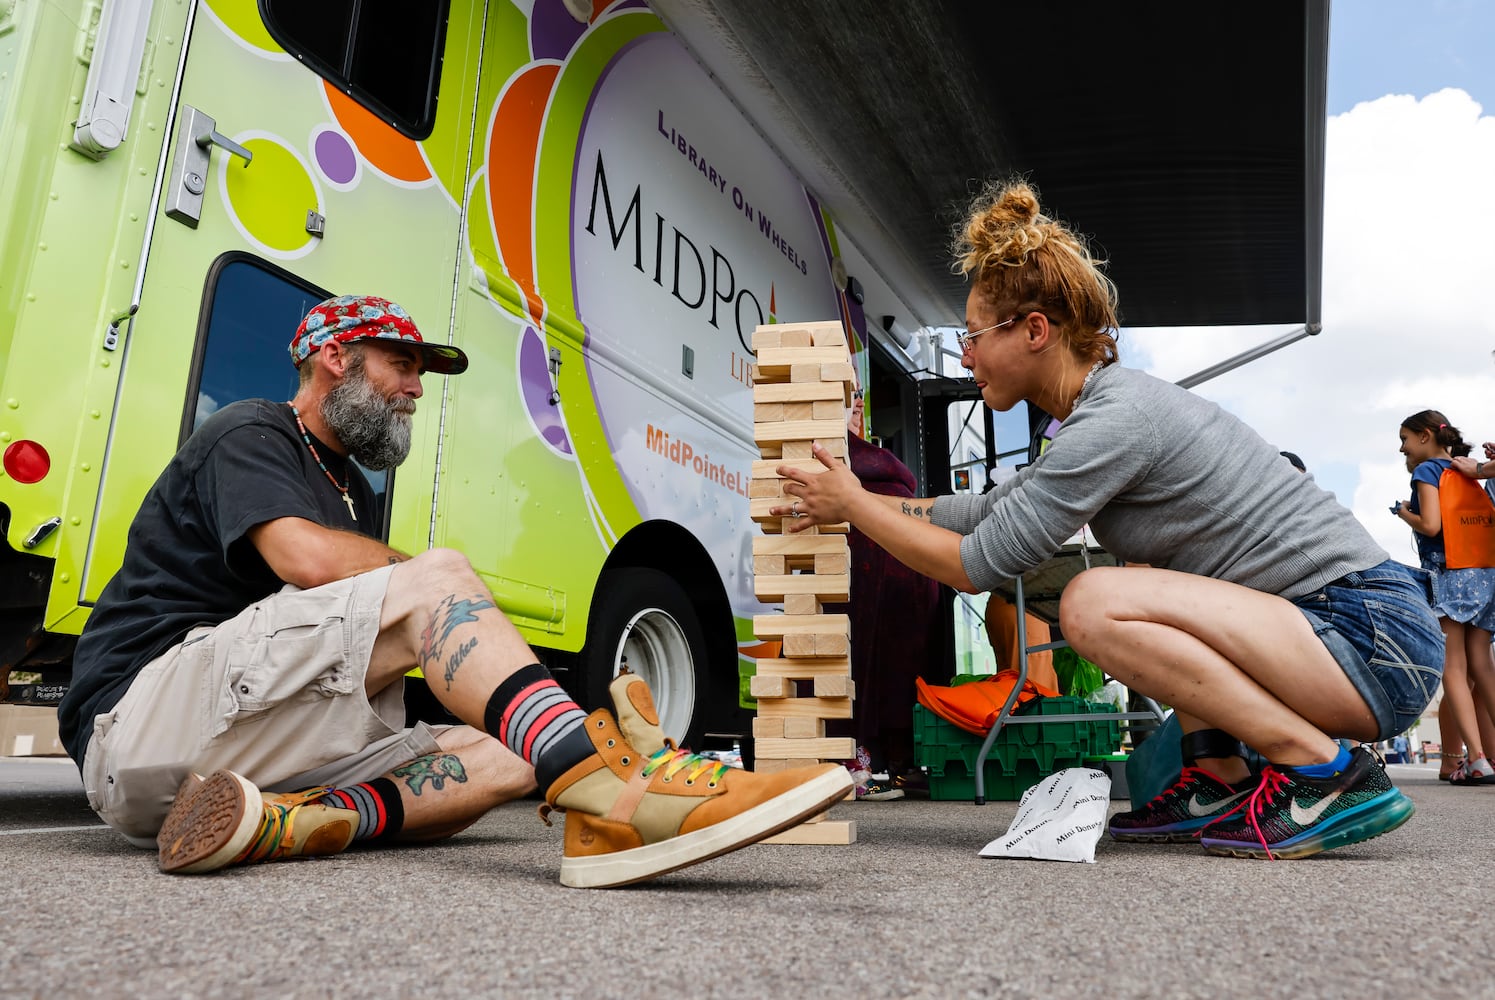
column 375, row 430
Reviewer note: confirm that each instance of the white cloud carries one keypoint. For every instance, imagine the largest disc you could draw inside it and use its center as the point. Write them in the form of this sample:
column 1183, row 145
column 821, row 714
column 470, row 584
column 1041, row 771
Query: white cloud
column 1409, row 256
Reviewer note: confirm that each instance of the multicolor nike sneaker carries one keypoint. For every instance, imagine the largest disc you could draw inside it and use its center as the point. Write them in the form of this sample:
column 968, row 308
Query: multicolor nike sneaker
column 1177, row 815
column 1291, row 815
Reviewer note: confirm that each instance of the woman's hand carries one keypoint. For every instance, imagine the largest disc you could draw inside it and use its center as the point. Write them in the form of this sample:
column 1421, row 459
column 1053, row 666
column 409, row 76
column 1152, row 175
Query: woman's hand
column 821, row 497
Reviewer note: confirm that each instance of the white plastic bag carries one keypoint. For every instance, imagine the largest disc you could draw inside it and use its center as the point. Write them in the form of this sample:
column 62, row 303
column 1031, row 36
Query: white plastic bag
column 1059, row 819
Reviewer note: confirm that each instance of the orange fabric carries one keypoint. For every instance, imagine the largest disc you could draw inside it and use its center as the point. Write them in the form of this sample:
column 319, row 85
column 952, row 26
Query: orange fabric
column 974, row 706
column 1001, row 630
column 1468, row 522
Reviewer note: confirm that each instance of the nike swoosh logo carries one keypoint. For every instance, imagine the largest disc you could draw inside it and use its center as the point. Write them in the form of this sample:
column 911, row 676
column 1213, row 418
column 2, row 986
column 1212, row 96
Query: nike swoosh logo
column 1198, row 810
column 1304, row 817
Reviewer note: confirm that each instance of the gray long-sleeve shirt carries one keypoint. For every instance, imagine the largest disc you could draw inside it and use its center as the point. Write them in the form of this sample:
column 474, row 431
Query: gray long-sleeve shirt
column 1166, row 478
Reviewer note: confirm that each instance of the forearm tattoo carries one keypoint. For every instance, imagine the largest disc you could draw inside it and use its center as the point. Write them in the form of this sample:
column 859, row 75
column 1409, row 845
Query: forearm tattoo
column 916, row 510
column 451, row 612
column 435, row 768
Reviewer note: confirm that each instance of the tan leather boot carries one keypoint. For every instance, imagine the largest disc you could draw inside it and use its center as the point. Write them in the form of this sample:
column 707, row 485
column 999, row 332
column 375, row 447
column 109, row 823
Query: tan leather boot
column 631, row 816
column 224, row 820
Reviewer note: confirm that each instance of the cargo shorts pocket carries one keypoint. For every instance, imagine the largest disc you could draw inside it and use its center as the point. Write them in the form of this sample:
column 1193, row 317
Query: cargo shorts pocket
column 273, row 661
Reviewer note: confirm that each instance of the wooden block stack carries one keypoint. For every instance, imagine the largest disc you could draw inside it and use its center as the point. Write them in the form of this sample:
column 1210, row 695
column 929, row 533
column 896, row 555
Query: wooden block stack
column 801, row 388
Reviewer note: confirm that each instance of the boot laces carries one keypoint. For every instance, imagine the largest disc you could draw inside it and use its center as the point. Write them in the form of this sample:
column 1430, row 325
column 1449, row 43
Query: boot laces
column 277, row 825
column 674, row 761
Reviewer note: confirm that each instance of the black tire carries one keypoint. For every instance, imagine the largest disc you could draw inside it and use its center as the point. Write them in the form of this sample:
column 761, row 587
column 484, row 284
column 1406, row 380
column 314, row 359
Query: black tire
column 645, row 617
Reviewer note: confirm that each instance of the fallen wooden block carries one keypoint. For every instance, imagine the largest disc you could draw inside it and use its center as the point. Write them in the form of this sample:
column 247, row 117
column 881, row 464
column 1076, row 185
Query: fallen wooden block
column 831, row 832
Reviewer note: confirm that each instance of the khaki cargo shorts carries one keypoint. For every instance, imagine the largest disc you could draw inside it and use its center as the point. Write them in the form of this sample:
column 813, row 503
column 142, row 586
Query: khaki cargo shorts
column 275, row 694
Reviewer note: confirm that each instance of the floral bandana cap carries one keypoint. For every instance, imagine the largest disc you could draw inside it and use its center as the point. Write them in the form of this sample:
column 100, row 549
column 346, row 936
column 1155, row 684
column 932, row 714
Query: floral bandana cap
column 350, row 318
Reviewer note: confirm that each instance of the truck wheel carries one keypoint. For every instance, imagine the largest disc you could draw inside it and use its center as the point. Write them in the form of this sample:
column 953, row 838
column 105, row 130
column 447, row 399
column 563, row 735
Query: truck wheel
column 644, row 619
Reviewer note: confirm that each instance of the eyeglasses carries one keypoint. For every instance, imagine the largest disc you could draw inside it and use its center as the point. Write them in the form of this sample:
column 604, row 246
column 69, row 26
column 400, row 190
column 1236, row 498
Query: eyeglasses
column 964, row 337
column 856, row 394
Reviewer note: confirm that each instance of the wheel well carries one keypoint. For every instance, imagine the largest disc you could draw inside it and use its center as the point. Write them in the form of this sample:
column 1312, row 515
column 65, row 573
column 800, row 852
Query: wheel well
column 669, row 548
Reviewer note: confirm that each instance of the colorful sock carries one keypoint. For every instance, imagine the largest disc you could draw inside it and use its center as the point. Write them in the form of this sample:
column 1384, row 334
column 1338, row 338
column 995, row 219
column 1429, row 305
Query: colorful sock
column 1329, row 770
column 381, row 814
column 533, row 717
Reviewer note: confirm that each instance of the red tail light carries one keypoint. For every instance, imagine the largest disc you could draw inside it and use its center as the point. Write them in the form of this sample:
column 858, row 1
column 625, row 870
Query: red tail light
column 27, row 462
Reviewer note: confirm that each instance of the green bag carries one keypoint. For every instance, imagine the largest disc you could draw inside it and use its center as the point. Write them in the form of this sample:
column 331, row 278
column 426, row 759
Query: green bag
column 1078, row 677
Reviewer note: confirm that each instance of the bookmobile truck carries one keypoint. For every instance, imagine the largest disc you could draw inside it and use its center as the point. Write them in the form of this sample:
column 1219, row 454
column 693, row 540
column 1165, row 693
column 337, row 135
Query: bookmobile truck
column 565, row 194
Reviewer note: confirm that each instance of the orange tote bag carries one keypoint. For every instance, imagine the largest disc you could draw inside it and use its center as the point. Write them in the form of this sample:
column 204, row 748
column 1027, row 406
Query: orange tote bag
column 1468, row 522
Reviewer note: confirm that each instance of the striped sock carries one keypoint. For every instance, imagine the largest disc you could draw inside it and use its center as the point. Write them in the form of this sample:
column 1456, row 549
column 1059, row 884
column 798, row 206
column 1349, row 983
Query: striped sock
column 533, row 717
column 381, row 814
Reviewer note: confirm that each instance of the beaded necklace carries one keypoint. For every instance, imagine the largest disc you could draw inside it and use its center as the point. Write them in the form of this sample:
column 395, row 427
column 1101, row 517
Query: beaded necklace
column 1089, row 377
column 341, row 487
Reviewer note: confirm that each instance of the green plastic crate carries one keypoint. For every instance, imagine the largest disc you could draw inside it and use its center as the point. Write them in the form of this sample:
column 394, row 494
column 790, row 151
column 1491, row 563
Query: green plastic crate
column 1022, row 754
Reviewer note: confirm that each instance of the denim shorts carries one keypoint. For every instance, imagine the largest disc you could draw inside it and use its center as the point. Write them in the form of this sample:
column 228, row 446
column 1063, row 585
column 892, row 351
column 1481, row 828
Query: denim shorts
column 1377, row 624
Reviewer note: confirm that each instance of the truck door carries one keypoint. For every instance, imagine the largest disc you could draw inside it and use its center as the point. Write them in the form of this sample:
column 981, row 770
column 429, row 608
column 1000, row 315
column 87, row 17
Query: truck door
column 314, row 149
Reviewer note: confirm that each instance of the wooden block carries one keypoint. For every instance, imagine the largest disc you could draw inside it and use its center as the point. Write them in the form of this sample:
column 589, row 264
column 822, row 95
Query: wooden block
column 777, row 626
column 805, row 547
column 764, row 413
column 777, row 666
column 781, row 431
column 797, row 392
column 829, row 748
column 780, row 361
column 801, row 604
column 769, row 566
column 767, row 336
column 801, row 729
column 833, row 564
column 837, row 371
column 771, row 687
column 824, row 332
column 836, row 446
column 834, row 687
column 833, row 588
column 816, row 644
column 759, row 488
column 821, row 409
column 770, row 766
column 796, row 336
column 805, row 708
column 793, row 451
column 771, row 450
column 831, row 644
column 768, row 727
column 805, row 373
column 805, row 411
column 831, row 833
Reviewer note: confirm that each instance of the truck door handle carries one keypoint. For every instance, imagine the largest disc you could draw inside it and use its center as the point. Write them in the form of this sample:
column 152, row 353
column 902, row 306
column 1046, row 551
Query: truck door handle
column 215, row 138
column 191, row 159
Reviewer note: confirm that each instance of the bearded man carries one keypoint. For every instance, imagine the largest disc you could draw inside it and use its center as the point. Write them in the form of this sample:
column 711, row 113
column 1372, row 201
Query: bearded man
column 237, row 693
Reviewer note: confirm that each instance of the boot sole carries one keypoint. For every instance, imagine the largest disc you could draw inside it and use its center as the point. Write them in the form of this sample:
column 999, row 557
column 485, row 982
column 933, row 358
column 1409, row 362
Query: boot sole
column 763, row 820
column 206, row 831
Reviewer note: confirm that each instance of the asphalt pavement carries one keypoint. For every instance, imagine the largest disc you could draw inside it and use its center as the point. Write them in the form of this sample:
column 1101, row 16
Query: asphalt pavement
column 909, row 910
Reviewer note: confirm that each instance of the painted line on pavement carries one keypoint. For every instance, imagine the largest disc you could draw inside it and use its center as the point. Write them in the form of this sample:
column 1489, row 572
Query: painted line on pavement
column 51, row 829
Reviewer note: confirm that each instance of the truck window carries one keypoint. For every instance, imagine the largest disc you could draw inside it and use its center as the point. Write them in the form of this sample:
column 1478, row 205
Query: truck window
column 251, row 309
column 385, row 54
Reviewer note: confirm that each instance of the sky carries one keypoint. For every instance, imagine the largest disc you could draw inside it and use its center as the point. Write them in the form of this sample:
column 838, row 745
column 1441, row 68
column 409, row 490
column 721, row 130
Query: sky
column 1409, row 259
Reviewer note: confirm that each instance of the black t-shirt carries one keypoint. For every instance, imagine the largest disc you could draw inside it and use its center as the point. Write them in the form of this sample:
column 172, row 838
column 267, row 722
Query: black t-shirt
column 188, row 561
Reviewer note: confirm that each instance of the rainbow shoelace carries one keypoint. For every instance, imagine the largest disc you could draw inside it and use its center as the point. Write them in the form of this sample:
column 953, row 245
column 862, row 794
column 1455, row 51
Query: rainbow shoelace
column 674, row 761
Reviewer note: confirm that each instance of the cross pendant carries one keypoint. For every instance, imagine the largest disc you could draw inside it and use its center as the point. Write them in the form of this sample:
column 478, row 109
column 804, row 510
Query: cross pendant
column 348, row 499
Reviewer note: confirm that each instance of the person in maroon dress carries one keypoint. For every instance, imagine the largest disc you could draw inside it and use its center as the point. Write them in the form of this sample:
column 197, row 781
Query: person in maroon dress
column 894, row 612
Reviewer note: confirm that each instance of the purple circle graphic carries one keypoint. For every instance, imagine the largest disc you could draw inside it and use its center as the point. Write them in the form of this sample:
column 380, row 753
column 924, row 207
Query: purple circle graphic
column 335, row 156
column 552, row 31
column 535, row 388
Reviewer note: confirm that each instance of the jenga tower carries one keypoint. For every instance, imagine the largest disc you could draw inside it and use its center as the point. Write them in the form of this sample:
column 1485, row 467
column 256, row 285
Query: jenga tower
column 801, row 388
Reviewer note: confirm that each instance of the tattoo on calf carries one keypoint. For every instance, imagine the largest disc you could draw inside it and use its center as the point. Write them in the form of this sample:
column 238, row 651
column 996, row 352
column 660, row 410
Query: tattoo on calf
column 435, row 768
column 450, row 612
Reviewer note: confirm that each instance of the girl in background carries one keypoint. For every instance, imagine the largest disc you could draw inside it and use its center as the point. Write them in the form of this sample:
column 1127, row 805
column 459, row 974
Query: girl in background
column 1463, row 599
